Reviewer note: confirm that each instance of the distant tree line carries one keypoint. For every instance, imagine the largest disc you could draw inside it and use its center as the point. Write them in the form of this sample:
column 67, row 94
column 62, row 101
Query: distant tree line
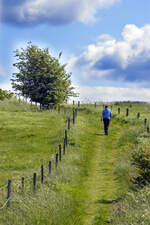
column 5, row 94
column 40, row 77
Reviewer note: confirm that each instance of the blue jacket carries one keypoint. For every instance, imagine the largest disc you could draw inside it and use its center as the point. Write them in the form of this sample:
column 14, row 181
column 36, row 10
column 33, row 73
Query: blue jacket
column 106, row 114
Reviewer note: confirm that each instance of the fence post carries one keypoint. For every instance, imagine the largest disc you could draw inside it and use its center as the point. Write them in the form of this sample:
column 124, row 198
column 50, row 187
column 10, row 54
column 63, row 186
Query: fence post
column 59, row 152
column 76, row 112
column 56, row 160
column 138, row 115
column 118, row 110
column 145, row 121
column 127, row 112
column 68, row 123
column 95, row 104
column 50, row 167
column 22, row 182
column 58, row 108
column 34, row 181
column 42, row 174
column 66, row 141
column 78, row 103
column 64, row 110
column 148, row 129
column 8, row 193
column 73, row 116
column 64, row 146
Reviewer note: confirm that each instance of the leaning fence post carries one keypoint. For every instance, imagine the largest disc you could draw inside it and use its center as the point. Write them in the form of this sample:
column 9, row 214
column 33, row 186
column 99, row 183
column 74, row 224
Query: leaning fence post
column 59, row 152
column 34, row 181
column 56, row 160
column 64, row 146
column 8, row 193
column 42, row 174
column 50, row 167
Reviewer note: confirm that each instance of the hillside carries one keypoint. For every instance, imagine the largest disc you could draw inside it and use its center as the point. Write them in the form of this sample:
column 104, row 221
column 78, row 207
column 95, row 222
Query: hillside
column 97, row 179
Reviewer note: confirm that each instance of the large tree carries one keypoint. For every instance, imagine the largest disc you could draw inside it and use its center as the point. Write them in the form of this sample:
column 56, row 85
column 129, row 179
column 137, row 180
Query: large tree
column 40, row 76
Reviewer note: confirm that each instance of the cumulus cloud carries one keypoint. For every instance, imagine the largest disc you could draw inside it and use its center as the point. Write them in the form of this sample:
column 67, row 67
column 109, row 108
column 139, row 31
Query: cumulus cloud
column 126, row 61
column 109, row 94
column 32, row 12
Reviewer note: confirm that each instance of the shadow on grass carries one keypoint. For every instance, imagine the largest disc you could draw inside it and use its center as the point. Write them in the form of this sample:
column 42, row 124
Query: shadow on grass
column 104, row 201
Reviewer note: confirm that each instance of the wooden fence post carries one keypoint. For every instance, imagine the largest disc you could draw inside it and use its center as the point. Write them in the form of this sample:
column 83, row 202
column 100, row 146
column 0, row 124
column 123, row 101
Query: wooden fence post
column 58, row 108
column 8, row 193
column 59, row 152
column 64, row 146
column 68, row 123
column 73, row 116
column 34, row 181
column 138, row 115
column 22, row 182
column 127, row 112
column 148, row 129
column 66, row 137
column 50, row 167
column 42, row 174
column 118, row 110
column 76, row 112
column 56, row 160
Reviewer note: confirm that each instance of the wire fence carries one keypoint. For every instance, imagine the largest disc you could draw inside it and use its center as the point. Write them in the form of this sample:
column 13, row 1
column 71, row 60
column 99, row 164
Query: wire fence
column 10, row 190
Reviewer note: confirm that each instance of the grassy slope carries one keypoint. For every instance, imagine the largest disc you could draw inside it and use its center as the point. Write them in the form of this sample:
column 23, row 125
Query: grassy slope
column 86, row 182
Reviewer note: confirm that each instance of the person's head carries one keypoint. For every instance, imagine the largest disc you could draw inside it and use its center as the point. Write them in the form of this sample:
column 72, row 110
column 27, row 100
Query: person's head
column 106, row 106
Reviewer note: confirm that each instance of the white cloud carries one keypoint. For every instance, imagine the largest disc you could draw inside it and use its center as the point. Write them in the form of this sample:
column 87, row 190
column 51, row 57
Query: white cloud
column 109, row 94
column 53, row 12
column 6, row 86
column 108, row 59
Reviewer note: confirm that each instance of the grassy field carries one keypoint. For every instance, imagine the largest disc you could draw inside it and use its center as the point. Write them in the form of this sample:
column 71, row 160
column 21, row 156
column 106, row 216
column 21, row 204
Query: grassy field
column 94, row 181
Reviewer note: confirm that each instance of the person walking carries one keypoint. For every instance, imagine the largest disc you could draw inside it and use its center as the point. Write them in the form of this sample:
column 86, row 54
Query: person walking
column 106, row 115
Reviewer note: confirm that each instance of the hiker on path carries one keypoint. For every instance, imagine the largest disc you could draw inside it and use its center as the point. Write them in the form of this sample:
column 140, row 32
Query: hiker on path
column 106, row 115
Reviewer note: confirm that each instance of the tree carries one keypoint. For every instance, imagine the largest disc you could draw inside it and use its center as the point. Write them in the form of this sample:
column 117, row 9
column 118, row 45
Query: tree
column 5, row 94
column 40, row 76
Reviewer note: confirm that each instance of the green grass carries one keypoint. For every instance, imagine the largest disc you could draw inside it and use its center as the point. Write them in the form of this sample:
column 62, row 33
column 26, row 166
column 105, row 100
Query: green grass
column 93, row 176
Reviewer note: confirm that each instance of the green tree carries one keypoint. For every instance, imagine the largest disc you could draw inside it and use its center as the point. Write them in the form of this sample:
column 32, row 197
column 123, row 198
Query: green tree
column 40, row 76
column 5, row 94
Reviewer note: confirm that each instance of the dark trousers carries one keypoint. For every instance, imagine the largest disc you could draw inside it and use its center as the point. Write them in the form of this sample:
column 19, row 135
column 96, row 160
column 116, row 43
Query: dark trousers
column 106, row 125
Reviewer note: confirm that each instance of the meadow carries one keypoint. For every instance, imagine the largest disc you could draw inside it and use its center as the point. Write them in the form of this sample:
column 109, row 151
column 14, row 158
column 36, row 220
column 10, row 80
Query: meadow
column 99, row 180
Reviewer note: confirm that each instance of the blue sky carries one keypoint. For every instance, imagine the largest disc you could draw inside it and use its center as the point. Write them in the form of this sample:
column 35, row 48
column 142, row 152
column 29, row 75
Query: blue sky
column 106, row 43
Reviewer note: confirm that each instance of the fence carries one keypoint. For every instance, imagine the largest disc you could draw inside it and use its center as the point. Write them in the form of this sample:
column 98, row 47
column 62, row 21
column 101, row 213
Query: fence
column 32, row 182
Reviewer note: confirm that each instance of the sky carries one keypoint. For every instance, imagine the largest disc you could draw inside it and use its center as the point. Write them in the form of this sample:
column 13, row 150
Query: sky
column 105, row 43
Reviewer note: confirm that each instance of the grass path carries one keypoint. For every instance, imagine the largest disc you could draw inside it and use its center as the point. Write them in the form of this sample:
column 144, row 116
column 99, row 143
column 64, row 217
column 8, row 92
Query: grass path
column 101, row 185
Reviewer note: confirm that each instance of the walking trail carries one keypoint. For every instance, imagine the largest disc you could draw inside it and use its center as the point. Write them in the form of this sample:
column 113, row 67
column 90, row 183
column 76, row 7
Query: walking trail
column 102, row 185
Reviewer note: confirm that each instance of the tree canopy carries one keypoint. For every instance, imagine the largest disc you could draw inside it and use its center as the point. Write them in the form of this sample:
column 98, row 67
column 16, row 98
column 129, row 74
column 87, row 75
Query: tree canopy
column 40, row 77
column 5, row 94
